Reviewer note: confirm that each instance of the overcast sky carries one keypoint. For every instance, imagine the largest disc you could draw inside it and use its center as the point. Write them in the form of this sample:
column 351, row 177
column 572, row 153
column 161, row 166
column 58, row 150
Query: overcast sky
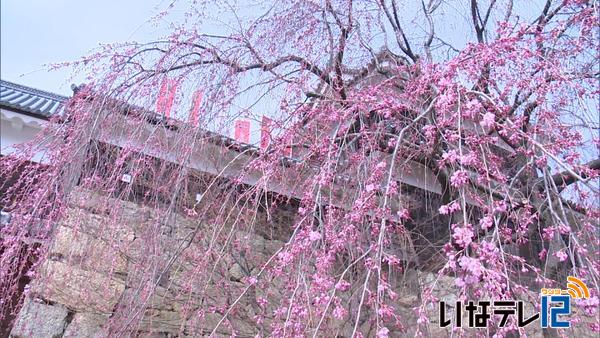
column 35, row 33
column 38, row 32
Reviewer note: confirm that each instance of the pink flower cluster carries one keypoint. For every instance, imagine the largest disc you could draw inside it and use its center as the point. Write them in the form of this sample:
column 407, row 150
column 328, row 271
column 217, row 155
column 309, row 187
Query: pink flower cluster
column 462, row 235
column 449, row 208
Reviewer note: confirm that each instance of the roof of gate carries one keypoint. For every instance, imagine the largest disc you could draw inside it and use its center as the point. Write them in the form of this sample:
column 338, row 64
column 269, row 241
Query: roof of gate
column 31, row 101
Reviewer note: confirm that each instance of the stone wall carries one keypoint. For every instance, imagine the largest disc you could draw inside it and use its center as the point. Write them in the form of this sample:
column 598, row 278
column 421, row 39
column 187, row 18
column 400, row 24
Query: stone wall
column 89, row 273
column 100, row 256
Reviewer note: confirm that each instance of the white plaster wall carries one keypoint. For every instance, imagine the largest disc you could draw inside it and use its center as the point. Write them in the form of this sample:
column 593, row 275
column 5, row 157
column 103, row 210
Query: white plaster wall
column 16, row 128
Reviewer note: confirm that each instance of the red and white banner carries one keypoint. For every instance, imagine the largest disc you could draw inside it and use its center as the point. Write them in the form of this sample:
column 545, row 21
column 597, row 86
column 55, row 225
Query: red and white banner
column 166, row 97
column 242, row 131
column 194, row 116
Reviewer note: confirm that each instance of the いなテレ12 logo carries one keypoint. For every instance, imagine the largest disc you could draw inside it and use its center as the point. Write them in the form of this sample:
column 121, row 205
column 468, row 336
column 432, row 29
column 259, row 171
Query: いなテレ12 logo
column 557, row 302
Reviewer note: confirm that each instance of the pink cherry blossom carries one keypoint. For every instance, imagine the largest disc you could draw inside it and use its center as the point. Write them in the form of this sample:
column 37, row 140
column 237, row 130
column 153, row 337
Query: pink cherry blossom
column 561, row 255
column 382, row 130
column 383, row 332
column 459, row 178
column 449, row 208
column 462, row 235
column 314, row 236
column 487, row 120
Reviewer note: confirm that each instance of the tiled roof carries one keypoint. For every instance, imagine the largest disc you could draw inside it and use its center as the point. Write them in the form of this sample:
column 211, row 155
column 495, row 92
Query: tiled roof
column 30, row 101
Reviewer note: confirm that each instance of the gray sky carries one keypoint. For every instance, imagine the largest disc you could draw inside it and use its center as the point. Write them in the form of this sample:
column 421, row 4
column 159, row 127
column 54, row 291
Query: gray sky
column 38, row 32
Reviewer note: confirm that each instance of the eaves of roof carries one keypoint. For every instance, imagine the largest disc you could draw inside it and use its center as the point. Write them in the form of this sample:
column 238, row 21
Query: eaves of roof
column 30, row 101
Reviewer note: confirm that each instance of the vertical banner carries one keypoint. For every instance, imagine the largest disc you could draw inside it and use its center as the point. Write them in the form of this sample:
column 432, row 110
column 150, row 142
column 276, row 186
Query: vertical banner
column 242, row 131
column 166, row 97
column 265, row 132
column 194, row 117
column 287, row 152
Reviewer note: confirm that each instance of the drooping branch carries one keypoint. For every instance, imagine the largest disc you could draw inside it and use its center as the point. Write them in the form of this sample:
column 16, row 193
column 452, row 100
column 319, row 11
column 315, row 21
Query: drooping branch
column 240, row 68
column 566, row 178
